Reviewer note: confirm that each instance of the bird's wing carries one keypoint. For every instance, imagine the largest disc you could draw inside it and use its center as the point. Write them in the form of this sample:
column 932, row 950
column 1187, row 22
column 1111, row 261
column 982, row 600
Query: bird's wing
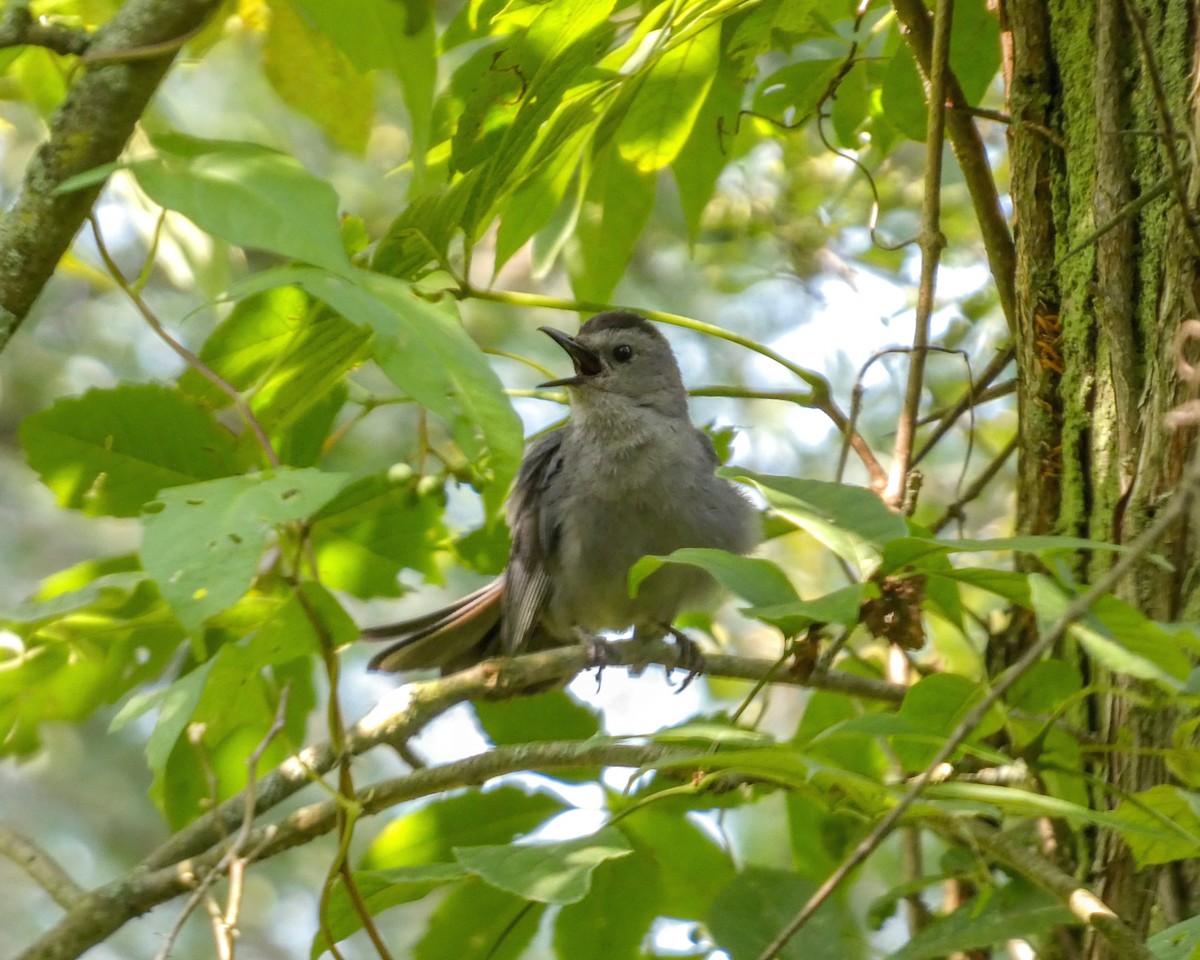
column 534, row 539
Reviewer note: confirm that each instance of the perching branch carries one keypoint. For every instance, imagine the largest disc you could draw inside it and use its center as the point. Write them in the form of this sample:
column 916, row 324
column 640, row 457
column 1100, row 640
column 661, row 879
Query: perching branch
column 89, row 130
column 100, row 913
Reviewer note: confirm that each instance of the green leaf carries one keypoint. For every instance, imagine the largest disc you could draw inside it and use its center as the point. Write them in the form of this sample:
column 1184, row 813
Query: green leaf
column 110, row 451
column 388, row 35
column 840, row 607
column 476, row 921
column 372, row 530
column 617, row 208
column 558, row 872
column 203, row 543
column 916, row 551
column 1161, row 824
column 851, row 521
column 312, row 75
column 1178, row 942
column 430, row 834
column 759, row 581
column 285, row 356
column 773, row 763
column 539, row 194
column 668, row 100
column 1016, row 910
column 1025, row 803
column 80, row 651
column 758, row 903
column 712, row 143
column 426, row 352
column 903, row 96
column 1116, row 635
column 380, row 889
column 792, row 92
column 249, row 195
column 552, row 715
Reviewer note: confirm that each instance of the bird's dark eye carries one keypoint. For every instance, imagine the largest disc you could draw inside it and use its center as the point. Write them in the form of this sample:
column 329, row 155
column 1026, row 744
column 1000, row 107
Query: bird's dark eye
column 623, row 352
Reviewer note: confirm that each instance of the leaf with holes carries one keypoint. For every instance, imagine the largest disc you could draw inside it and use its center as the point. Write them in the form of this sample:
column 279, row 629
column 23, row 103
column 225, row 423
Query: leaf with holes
column 203, row 543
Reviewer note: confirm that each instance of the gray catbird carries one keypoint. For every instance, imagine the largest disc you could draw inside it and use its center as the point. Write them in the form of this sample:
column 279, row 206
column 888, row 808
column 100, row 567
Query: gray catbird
column 628, row 475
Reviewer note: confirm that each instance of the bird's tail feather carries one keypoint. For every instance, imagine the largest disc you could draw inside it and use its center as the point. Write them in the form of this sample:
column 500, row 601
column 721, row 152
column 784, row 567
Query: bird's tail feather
column 450, row 638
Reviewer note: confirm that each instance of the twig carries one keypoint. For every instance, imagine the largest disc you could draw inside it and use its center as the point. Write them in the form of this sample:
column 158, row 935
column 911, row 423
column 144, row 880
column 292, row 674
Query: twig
column 969, row 399
column 972, row 159
column 233, row 861
column 147, row 51
column 20, row 28
column 41, row 867
column 974, row 398
column 191, row 359
column 932, row 242
column 1086, row 906
column 1171, row 511
column 954, row 511
column 1169, row 134
column 1127, row 212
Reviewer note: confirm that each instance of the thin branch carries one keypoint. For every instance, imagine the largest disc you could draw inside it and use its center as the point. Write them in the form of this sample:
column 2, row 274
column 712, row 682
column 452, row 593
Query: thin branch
column 1087, row 907
column 191, row 359
column 1171, row 512
column 972, row 159
column 89, row 130
column 41, row 867
column 20, row 28
column 932, row 242
column 974, row 398
column 229, row 862
column 1127, row 212
column 1167, row 122
column 954, row 511
column 969, row 399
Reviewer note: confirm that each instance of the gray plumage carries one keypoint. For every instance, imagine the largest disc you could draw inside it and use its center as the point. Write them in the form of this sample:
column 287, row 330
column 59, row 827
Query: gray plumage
column 628, row 475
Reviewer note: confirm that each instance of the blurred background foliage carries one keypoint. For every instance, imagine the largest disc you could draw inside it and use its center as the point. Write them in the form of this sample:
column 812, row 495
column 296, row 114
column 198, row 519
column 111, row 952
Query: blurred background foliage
column 760, row 223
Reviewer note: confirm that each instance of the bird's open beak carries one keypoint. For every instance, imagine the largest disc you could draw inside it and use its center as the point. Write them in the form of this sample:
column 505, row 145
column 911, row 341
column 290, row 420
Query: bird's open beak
column 586, row 360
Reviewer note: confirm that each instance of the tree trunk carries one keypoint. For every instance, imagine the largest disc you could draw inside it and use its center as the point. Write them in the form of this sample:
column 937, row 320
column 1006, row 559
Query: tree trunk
column 1101, row 93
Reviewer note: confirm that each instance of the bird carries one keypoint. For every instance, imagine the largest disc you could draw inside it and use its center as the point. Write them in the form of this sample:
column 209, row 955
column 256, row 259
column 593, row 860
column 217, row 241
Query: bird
column 627, row 475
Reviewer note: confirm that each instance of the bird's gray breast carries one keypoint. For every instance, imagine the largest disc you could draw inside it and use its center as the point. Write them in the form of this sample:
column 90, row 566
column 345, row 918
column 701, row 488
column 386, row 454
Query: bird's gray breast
column 647, row 488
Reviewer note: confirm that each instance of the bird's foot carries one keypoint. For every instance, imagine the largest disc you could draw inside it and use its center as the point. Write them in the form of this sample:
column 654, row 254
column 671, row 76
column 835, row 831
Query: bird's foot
column 691, row 658
column 598, row 652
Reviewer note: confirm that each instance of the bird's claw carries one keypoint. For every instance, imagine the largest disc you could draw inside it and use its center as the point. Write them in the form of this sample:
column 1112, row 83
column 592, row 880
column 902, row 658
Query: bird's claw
column 690, row 659
column 597, row 652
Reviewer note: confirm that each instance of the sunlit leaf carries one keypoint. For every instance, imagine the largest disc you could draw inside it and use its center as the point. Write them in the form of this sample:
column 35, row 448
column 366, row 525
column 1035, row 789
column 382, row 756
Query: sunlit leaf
column 246, row 194
column 203, row 543
column 550, row 872
column 109, row 451
column 430, row 834
column 852, row 521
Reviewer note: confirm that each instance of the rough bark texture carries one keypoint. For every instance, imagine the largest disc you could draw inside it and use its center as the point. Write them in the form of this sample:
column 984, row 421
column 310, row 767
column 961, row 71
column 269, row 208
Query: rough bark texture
column 1096, row 339
column 122, row 68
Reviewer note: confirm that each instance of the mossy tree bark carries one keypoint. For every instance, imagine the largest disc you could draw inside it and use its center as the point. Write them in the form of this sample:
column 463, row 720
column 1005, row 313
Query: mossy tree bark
column 1100, row 92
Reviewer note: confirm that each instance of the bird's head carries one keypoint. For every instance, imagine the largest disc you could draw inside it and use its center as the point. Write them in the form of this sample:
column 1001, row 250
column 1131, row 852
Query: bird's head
column 620, row 354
